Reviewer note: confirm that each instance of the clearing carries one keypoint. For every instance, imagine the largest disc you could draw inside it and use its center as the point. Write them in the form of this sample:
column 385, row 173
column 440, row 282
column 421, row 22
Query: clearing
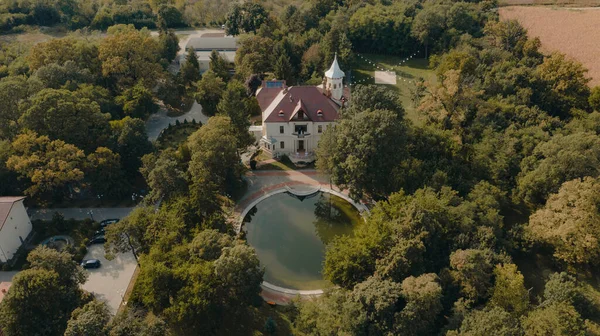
column 572, row 31
column 407, row 70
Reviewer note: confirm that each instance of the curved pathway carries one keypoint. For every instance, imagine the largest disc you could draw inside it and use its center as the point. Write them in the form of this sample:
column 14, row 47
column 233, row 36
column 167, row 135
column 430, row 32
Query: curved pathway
column 160, row 120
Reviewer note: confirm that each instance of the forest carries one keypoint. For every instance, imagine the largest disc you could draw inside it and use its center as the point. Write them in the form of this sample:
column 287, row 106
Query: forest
column 485, row 213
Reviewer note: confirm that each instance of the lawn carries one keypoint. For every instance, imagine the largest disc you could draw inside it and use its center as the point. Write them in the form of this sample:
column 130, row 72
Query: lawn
column 408, row 71
column 175, row 135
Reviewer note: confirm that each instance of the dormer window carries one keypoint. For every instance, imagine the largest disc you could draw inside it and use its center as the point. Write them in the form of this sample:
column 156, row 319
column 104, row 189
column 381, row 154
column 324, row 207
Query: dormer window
column 300, row 115
column 280, row 113
column 319, row 113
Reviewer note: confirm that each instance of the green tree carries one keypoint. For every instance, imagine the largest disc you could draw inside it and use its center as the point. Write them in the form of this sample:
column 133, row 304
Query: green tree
column 509, row 290
column 489, row 321
column 234, row 104
column 61, row 115
column 219, row 65
column 283, row 68
column 129, row 234
column 428, row 24
column 103, row 171
column 51, row 166
column 561, row 287
column 569, row 222
column 380, row 300
column 169, row 44
column 380, row 135
column 240, row 275
column 375, row 97
column 423, row 296
column 130, row 141
column 171, row 15
column 554, row 319
column 473, row 270
column 137, row 101
column 594, row 98
column 91, row 319
column 165, row 177
column 562, row 158
column 331, row 314
column 70, row 274
column 14, row 91
column 210, row 90
column 245, row 18
column 190, row 69
column 129, row 56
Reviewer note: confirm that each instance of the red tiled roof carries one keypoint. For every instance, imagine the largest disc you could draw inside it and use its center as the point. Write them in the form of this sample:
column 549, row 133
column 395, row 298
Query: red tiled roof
column 313, row 100
column 6, row 204
column 265, row 96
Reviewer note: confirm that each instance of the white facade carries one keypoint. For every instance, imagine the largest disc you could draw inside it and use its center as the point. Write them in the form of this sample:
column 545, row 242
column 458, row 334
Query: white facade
column 15, row 230
column 282, row 137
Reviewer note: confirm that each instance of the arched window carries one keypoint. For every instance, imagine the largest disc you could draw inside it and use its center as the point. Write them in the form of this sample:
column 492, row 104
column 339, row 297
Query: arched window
column 334, row 86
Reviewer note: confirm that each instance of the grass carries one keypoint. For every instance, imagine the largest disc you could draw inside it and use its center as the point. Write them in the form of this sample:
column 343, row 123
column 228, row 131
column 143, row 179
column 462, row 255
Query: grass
column 283, row 164
column 410, row 70
column 176, row 135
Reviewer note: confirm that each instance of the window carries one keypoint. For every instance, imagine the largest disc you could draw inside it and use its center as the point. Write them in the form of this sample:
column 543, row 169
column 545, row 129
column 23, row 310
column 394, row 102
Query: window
column 319, row 113
column 281, row 129
column 300, row 128
column 300, row 115
column 282, row 144
column 320, row 128
column 334, row 86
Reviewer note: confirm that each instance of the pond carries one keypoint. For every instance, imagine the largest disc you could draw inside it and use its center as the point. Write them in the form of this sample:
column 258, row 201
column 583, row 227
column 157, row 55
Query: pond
column 290, row 234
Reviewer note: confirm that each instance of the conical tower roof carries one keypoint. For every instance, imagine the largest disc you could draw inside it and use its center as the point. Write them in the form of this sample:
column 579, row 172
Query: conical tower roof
column 334, row 71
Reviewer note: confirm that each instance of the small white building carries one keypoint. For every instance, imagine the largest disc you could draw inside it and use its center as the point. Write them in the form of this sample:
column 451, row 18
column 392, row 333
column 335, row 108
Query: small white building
column 294, row 118
column 15, row 226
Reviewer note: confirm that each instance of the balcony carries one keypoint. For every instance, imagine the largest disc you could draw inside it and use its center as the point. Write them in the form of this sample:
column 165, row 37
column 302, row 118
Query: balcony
column 302, row 157
column 300, row 134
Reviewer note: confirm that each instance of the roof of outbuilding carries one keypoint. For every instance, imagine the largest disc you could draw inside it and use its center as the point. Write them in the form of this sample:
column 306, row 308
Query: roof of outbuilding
column 312, row 101
column 212, row 43
column 6, row 204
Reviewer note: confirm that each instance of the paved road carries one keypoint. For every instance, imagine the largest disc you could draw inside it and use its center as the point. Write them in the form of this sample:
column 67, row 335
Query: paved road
column 110, row 281
column 159, row 121
column 80, row 213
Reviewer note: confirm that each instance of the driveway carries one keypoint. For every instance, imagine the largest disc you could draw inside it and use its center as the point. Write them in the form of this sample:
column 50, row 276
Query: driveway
column 159, row 121
column 110, row 281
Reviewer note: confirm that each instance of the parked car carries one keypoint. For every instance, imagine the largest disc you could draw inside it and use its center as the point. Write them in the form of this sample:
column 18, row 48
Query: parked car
column 107, row 222
column 97, row 239
column 90, row 263
column 100, row 232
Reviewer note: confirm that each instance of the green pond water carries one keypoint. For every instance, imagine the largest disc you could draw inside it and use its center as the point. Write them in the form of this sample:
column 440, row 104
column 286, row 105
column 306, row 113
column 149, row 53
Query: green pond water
column 290, row 235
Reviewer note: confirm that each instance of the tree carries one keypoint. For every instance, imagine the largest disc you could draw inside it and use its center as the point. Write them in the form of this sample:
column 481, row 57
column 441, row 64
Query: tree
column 135, row 323
column 137, row 102
column 375, row 97
column 51, row 166
column 41, row 299
column 560, row 287
column 245, row 18
column 165, row 177
column 594, row 98
column 219, row 65
column 129, row 234
column 240, row 274
column 428, row 24
column 562, row 158
column 234, row 104
column 14, row 91
column 380, row 135
column 252, row 84
column 81, row 51
column 509, row 290
column 129, row 56
column 91, row 319
column 423, row 304
column 169, row 43
column 171, row 15
column 190, row 69
column 34, row 305
column 103, row 171
column 61, row 115
column 489, row 321
column 379, row 300
column 554, row 319
column 130, row 141
column 473, row 270
column 210, row 90
column 334, row 313
column 283, row 68
column 569, row 222
column 565, row 85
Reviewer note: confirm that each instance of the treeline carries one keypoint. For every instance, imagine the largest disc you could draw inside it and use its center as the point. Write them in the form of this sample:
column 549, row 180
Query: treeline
column 503, row 170
column 73, row 112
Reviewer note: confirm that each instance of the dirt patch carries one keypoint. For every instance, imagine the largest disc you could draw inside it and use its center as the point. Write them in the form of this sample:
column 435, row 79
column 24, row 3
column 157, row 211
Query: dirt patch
column 574, row 32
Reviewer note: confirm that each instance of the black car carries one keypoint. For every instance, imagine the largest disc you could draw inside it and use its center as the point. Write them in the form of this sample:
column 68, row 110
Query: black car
column 91, row 263
column 98, row 239
column 100, row 232
column 107, row 222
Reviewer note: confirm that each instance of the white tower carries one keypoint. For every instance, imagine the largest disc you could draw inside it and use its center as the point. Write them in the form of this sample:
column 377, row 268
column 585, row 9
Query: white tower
column 334, row 81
